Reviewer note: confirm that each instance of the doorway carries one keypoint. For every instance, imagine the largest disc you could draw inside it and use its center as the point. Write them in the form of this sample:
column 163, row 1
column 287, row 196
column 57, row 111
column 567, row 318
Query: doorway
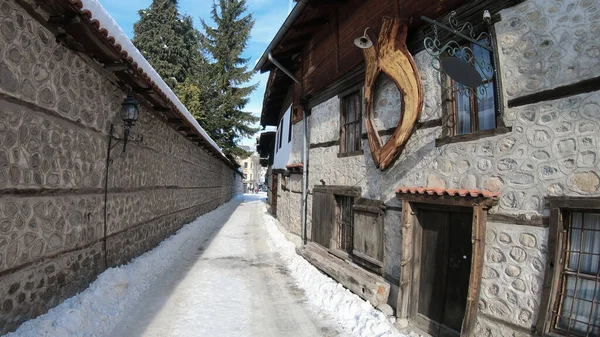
column 274, row 191
column 443, row 245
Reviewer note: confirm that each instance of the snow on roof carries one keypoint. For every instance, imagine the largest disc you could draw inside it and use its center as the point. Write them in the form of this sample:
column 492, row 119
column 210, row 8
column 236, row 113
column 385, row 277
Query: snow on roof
column 98, row 15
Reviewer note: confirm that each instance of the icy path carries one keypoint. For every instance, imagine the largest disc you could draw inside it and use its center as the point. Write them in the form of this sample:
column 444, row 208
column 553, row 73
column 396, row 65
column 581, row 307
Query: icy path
column 233, row 285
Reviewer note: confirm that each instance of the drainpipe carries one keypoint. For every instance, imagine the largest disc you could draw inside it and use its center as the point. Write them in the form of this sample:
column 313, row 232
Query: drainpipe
column 304, row 172
column 304, row 149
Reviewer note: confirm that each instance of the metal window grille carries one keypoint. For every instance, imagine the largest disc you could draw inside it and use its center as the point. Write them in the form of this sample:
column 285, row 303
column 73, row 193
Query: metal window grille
column 475, row 112
column 345, row 228
column 351, row 123
column 577, row 308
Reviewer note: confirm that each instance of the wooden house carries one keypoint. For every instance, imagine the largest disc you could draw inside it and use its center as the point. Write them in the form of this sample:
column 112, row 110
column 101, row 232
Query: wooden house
column 444, row 158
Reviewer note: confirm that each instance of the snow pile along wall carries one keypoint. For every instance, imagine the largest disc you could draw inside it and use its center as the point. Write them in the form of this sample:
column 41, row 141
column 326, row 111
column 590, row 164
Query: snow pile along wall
column 97, row 310
column 353, row 313
column 66, row 211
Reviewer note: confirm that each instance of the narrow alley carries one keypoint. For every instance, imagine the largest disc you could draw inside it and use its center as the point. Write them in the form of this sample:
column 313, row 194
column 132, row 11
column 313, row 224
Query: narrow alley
column 227, row 284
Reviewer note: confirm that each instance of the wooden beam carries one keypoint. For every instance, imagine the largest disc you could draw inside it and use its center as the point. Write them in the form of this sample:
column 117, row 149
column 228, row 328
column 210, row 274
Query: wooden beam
column 119, row 66
column 174, row 120
column 184, row 128
column 581, row 87
column 406, row 264
column 339, row 190
column 368, row 286
column 311, row 23
column 478, row 253
column 63, row 20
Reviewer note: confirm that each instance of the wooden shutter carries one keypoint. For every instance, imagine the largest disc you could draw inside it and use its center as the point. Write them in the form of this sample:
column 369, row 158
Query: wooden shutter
column 368, row 230
column 323, row 215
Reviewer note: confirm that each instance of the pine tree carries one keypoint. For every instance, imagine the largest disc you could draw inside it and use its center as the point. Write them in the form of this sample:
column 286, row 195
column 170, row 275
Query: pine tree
column 228, row 72
column 168, row 40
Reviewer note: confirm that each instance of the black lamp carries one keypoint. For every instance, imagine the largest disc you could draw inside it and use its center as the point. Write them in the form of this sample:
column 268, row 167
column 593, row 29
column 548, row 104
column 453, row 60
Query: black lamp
column 129, row 115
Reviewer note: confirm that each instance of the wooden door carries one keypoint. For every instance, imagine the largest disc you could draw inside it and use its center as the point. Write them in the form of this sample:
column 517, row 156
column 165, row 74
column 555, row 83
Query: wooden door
column 323, row 217
column 274, row 190
column 445, row 265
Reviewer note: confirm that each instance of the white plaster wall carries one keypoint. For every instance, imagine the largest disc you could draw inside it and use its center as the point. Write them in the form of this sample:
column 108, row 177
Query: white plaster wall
column 296, row 145
column 282, row 154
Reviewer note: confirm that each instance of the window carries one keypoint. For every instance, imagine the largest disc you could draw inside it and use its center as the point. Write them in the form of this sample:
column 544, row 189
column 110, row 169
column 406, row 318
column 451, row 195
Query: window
column 280, row 132
column 470, row 113
column 350, row 131
column 577, row 304
column 344, row 225
column 246, row 165
column 290, row 130
column 332, row 216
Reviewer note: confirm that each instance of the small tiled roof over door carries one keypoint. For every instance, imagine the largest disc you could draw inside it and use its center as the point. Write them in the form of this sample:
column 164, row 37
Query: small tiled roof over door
column 449, row 192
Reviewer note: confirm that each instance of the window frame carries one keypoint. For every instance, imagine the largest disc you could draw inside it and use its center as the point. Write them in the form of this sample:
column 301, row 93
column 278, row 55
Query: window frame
column 280, row 133
column 559, row 208
column 339, row 225
column 290, row 129
column 451, row 101
column 449, row 106
column 355, row 91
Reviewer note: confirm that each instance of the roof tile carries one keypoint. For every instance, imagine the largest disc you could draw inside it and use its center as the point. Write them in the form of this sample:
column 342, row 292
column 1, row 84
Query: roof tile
column 449, row 191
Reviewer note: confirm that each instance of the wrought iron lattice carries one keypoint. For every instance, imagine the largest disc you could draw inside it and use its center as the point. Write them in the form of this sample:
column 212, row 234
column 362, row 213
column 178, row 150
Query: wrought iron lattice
column 456, row 57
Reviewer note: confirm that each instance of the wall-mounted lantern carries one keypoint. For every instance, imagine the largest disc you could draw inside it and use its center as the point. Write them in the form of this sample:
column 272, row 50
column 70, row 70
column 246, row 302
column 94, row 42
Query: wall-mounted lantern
column 129, row 115
column 363, row 42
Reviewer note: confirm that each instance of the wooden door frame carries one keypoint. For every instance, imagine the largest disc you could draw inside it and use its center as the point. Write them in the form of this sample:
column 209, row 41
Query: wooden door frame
column 411, row 259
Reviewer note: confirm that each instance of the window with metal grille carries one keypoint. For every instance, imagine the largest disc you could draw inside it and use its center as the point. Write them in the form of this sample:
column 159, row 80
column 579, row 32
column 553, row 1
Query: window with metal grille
column 576, row 310
column 344, row 223
column 468, row 112
column 350, row 131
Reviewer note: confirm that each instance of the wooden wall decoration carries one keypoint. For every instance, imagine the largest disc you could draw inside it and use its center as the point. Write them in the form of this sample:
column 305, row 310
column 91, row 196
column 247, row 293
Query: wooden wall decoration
column 391, row 57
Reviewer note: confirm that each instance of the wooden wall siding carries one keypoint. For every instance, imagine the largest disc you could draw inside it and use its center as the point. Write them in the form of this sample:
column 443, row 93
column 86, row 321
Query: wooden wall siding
column 323, row 217
column 368, row 231
column 331, row 52
column 322, row 50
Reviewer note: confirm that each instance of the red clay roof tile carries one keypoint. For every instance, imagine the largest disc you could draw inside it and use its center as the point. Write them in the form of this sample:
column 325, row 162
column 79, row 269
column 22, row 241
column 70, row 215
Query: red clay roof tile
column 449, row 191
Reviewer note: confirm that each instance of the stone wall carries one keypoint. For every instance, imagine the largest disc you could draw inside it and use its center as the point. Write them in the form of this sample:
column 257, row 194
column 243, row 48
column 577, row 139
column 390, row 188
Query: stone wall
column 513, row 274
column 551, row 150
column 55, row 115
column 288, row 204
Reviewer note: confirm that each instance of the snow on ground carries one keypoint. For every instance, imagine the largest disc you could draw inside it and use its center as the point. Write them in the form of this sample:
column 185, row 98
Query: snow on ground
column 178, row 289
column 325, row 294
column 98, row 309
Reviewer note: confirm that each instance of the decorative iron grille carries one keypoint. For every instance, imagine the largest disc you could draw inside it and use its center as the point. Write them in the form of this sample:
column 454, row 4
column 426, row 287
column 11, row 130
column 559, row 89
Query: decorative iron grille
column 577, row 308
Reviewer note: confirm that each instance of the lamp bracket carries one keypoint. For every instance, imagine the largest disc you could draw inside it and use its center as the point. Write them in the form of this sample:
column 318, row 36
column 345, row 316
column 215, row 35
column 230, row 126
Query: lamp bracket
column 465, row 64
column 130, row 138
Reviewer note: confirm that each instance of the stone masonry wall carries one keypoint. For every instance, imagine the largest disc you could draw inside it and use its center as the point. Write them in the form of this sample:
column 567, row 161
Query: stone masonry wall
column 552, row 150
column 55, row 115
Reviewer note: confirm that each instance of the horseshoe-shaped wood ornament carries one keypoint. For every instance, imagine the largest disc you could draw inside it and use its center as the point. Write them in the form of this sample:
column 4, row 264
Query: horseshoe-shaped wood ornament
column 392, row 58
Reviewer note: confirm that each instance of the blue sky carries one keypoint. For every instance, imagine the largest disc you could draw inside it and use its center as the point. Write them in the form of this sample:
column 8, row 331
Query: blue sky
column 268, row 15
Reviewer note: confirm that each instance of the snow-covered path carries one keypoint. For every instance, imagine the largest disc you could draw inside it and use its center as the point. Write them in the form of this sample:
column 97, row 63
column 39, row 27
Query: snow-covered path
column 231, row 272
column 229, row 283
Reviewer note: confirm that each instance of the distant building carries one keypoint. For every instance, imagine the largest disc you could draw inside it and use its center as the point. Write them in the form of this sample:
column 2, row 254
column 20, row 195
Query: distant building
column 252, row 170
